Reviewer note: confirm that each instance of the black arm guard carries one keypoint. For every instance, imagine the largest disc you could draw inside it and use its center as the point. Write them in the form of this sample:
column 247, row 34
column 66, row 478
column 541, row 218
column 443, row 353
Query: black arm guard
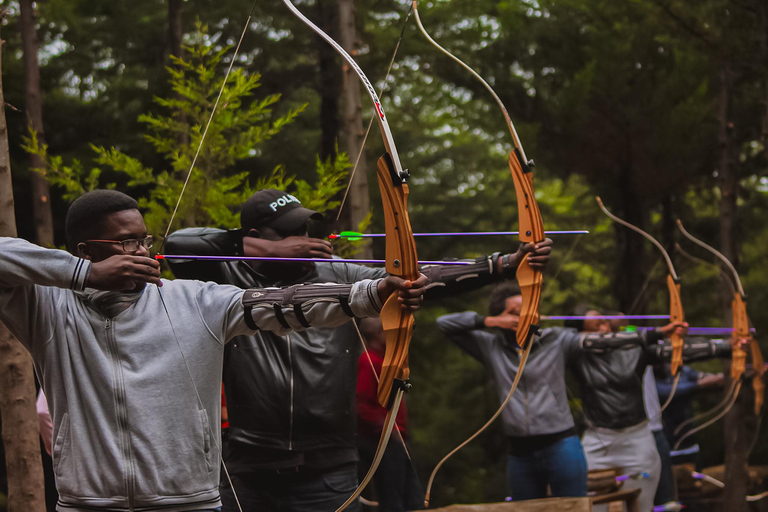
column 294, row 297
column 448, row 280
column 597, row 342
column 694, row 349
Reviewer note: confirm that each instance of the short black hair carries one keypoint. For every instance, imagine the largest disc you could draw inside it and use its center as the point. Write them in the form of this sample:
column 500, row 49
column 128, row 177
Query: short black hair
column 501, row 293
column 86, row 213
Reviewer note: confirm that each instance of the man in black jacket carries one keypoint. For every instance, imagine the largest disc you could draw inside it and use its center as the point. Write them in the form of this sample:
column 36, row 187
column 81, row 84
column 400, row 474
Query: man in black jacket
column 291, row 400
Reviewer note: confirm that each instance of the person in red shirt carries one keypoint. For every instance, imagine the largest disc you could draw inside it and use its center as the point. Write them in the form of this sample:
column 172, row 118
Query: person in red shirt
column 397, row 485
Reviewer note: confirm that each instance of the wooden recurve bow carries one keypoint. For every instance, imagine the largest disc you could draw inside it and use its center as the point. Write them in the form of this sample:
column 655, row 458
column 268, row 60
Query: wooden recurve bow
column 531, row 228
column 740, row 334
column 401, row 261
column 676, row 313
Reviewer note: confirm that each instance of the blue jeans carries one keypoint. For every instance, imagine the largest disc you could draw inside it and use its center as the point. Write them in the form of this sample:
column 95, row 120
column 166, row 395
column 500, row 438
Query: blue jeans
column 303, row 491
column 561, row 465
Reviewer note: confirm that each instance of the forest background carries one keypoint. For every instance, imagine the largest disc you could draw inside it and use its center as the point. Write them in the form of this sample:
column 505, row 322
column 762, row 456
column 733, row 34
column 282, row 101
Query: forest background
column 659, row 106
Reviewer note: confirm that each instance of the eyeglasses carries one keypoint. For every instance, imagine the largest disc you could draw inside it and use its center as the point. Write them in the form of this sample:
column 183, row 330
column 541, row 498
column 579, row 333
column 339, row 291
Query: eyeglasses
column 130, row 245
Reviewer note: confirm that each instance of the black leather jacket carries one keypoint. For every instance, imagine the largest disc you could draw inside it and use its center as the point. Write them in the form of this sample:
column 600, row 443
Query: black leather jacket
column 296, row 393
column 610, row 373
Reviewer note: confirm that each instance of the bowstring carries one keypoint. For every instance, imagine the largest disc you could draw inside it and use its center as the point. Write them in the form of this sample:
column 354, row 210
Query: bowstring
column 210, row 119
column 370, row 123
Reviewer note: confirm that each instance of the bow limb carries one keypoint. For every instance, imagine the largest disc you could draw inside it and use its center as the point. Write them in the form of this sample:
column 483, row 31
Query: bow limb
column 531, row 229
column 474, row 73
column 676, row 313
column 741, row 334
column 401, row 260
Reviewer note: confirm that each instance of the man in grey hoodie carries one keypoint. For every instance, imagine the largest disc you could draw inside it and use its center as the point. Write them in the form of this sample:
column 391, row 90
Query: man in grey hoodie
column 131, row 363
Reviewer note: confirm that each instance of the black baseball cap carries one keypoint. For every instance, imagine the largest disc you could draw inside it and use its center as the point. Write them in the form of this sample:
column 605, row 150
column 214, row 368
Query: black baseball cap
column 276, row 209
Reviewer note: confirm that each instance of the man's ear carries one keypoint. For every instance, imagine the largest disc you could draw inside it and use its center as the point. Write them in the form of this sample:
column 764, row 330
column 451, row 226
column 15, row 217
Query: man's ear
column 83, row 251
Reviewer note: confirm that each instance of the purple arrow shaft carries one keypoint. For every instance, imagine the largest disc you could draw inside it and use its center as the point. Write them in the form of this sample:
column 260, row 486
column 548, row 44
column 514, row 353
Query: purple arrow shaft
column 312, row 260
column 703, row 331
column 470, row 233
column 607, row 317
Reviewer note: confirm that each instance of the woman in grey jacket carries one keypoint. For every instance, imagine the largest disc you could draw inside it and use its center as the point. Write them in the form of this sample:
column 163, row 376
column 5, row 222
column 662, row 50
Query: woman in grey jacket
column 133, row 373
column 544, row 448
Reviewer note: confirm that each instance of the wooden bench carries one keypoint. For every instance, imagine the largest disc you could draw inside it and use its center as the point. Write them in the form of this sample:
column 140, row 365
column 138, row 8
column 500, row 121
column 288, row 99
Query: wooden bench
column 629, row 497
column 545, row 505
column 605, row 490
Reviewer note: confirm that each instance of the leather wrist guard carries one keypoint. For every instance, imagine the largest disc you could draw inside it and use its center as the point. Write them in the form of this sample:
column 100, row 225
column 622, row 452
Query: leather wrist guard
column 294, row 297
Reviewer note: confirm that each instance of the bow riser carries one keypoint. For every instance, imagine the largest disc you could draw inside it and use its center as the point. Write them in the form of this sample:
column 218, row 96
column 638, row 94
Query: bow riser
column 739, row 336
column 531, row 229
column 676, row 314
column 401, row 257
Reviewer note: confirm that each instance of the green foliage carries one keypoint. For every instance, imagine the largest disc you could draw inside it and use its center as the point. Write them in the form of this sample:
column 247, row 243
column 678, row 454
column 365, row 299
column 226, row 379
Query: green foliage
column 206, row 171
column 73, row 178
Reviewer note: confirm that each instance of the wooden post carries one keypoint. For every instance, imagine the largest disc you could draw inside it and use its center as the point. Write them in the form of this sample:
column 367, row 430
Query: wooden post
column 21, row 435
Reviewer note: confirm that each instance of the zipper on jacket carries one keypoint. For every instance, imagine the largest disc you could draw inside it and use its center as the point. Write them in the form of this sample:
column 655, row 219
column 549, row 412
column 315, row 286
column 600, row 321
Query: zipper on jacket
column 290, row 421
column 122, row 414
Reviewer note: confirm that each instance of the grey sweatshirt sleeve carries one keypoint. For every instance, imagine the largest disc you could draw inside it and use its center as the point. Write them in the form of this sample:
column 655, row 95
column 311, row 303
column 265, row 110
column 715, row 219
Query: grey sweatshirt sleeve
column 283, row 310
column 30, row 277
column 464, row 329
column 26, row 264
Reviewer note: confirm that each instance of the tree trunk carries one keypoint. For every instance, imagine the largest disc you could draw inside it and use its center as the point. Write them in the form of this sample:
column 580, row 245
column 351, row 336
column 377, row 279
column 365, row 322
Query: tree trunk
column 33, row 100
column 174, row 28
column 21, row 434
column 736, row 476
column 358, row 201
column 175, row 35
column 328, row 16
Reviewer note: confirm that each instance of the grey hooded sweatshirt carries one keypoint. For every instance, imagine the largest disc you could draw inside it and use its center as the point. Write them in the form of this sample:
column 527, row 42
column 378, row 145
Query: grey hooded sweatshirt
column 133, row 380
column 540, row 404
